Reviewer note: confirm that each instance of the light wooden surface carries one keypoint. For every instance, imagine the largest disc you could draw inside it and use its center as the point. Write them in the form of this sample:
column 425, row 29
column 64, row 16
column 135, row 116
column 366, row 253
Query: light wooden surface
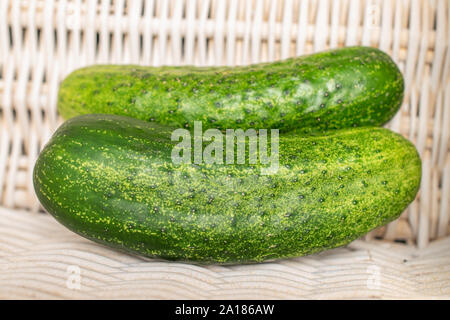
column 39, row 259
column 42, row 41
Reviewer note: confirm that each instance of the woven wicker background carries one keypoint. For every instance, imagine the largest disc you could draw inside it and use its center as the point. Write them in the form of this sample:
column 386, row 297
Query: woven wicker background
column 42, row 41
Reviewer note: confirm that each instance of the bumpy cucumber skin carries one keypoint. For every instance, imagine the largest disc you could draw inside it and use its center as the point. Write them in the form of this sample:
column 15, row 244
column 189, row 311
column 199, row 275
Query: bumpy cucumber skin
column 110, row 178
column 340, row 88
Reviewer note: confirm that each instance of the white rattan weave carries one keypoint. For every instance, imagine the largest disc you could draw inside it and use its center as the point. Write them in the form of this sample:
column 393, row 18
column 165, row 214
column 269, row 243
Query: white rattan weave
column 40, row 264
column 42, row 41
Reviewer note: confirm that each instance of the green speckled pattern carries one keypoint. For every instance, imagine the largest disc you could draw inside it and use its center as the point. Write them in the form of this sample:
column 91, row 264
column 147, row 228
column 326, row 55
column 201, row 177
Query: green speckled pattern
column 341, row 88
column 110, row 178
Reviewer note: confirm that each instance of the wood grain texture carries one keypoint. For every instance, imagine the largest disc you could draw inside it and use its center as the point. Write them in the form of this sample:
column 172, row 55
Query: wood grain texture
column 37, row 254
column 43, row 41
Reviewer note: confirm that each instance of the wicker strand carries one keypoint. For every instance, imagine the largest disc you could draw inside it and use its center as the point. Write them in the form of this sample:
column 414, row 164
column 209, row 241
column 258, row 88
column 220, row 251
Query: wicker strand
column 43, row 41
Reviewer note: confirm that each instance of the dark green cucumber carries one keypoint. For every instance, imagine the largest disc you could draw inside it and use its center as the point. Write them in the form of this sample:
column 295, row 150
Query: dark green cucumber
column 347, row 87
column 110, row 178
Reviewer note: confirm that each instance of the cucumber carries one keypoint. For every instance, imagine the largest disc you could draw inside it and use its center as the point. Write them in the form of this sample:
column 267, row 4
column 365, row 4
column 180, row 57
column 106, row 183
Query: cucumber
column 340, row 88
column 110, row 179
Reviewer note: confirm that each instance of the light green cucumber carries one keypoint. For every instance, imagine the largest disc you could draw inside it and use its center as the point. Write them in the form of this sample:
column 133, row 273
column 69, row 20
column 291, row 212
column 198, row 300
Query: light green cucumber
column 340, row 88
column 111, row 179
